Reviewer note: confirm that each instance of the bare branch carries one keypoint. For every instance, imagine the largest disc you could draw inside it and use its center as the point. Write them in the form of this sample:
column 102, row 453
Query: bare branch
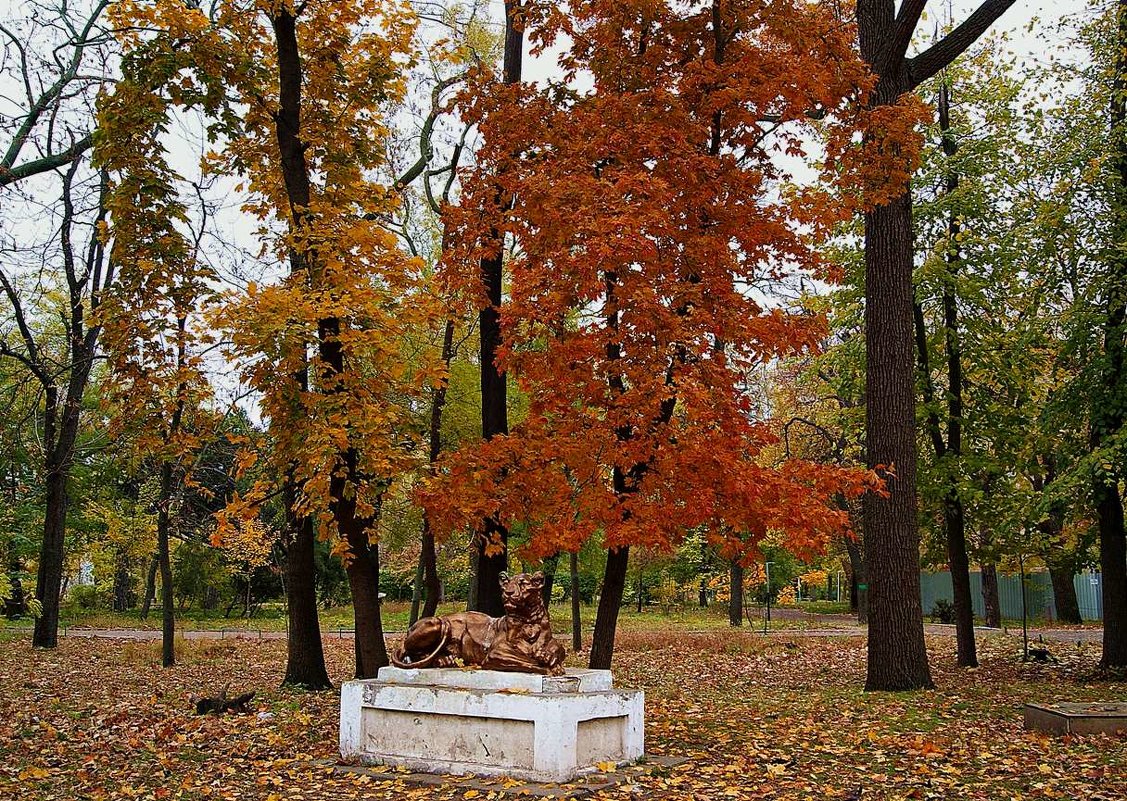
column 942, row 53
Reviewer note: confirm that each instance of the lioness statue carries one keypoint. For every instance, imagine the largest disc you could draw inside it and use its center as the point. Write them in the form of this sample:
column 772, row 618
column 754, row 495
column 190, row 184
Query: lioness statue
column 519, row 642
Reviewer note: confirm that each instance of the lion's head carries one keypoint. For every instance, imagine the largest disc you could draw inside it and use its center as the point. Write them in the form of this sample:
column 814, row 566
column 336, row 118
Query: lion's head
column 522, row 594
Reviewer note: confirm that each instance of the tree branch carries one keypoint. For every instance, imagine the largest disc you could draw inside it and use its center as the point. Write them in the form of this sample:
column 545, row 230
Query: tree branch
column 906, row 22
column 49, row 162
column 942, row 53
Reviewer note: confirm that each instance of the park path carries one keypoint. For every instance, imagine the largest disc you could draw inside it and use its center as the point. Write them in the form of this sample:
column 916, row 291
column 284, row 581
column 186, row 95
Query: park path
column 826, row 626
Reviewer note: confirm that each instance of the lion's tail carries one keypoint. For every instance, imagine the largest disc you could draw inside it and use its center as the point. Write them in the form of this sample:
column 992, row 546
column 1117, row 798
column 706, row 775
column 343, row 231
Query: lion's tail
column 401, row 660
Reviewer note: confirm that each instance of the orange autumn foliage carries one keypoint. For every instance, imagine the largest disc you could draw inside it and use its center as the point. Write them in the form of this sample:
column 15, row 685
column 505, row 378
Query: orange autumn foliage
column 653, row 224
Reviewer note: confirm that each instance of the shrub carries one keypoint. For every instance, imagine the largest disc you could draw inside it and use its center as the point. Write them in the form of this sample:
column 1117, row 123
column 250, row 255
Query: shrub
column 943, row 611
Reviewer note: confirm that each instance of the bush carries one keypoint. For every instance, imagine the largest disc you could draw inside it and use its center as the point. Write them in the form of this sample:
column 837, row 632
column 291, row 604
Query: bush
column 85, row 596
column 943, row 611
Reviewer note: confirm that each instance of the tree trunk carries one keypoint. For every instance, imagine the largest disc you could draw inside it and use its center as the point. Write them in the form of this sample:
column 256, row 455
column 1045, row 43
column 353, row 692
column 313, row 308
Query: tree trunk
column 16, row 604
column 431, row 582
column 492, row 546
column 51, row 552
column 305, row 654
column 121, row 583
column 416, row 592
column 736, row 594
column 991, row 601
column 897, row 655
column 1110, row 405
column 550, row 565
column 428, row 557
column 606, row 619
column 576, row 631
column 150, row 587
column 471, row 591
column 364, row 579
column 954, row 518
column 954, row 522
column 168, row 613
column 1064, row 594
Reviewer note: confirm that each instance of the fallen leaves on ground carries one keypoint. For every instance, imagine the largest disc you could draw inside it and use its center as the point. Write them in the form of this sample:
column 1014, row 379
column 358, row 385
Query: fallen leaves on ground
column 756, row 718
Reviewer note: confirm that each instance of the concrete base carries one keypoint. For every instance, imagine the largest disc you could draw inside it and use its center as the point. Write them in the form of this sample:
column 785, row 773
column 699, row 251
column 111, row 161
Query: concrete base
column 1099, row 717
column 490, row 723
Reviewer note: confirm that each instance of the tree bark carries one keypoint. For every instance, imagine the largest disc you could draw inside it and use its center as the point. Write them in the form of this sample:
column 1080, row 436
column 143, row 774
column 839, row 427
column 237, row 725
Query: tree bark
column 1064, row 594
column 51, row 554
column 953, row 515
column 991, row 601
column 363, row 565
column 492, row 546
column 364, row 579
column 416, row 592
column 61, row 422
column 150, row 586
column 305, row 654
column 168, row 613
column 550, row 566
column 736, row 594
column 897, row 653
column 897, row 656
column 576, row 622
column 428, row 557
column 16, row 604
column 610, row 598
column 1110, row 405
column 120, row 583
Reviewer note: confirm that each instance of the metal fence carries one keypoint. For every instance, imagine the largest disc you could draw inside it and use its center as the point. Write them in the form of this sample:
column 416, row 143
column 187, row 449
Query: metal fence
column 1038, row 594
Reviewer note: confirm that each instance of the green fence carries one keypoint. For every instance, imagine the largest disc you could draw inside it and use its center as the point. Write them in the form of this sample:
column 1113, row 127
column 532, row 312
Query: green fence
column 1038, row 594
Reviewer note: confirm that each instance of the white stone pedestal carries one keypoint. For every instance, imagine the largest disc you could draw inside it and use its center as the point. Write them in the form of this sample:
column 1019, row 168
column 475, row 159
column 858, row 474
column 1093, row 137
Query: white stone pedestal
column 449, row 720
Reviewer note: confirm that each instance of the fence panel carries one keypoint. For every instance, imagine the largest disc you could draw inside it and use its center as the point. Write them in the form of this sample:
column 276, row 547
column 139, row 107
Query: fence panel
column 1039, row 600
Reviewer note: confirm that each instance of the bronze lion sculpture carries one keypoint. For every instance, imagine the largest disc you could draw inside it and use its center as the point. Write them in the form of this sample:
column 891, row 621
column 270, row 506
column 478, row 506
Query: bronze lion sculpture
column 519, row 642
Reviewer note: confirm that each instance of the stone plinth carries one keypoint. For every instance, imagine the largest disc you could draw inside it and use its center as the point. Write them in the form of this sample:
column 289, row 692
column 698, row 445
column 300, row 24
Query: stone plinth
column 1099, row 717
column 490, row 723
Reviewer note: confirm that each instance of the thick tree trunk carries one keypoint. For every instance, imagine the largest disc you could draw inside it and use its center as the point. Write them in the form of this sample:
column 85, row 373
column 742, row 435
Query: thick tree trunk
column 897, row 655
column 363, row 565
column 610, row 598
column 1064, row 594
column 736, row 594
column 960, row 582
column 991, row 601
column 51, row 555
column 492, row 546
column 1113, row 567
column 305, row 654
column 576, row 622
column 1110, row 405
column 121, row 583
column 364, row 579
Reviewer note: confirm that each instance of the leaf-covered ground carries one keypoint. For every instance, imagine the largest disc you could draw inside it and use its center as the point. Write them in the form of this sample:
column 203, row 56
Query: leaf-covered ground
column 756, row 718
